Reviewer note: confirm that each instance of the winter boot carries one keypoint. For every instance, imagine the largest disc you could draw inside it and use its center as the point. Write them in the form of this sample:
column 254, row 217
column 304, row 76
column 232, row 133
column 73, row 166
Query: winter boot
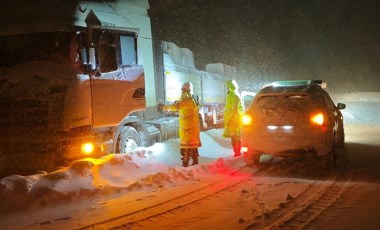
column 185, row 157
column 194, row 156
column 236, row 145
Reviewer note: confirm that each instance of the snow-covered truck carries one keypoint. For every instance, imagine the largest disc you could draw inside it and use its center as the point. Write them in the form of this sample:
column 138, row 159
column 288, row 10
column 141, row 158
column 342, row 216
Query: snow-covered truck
column 72, row 81
column 82, row 79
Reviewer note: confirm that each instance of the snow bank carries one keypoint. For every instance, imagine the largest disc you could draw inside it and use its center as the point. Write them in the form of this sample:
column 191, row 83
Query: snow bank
column 111, row 174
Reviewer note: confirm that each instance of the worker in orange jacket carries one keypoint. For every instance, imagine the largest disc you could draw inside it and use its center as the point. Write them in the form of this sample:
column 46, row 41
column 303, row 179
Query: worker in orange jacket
column 189, row 128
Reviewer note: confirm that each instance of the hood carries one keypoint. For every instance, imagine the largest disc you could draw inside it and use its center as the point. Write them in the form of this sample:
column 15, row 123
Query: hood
column 232, row 85
column 188, row 86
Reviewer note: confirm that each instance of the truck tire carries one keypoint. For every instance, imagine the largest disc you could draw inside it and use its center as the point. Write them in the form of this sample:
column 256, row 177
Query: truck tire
column 128, row 140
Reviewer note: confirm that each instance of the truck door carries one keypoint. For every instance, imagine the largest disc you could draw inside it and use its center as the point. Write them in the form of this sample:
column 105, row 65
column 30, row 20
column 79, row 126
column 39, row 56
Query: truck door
column 117, row 86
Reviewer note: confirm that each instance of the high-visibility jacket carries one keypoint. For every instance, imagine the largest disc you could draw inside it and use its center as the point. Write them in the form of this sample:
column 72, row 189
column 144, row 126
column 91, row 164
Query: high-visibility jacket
column 232, row 112
column 189, row 128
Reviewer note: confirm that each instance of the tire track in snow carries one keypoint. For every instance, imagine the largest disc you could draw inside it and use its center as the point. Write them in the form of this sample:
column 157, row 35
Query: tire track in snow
column 308, row 213
column 132, row 219
column 299, row 212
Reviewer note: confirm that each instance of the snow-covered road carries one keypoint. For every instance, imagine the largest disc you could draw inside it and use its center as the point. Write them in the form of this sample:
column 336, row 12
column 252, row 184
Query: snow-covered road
column 149, row 189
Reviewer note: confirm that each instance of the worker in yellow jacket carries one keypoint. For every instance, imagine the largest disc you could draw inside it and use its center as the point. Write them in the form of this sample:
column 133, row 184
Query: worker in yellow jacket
column 232, row 116
column 189, row 128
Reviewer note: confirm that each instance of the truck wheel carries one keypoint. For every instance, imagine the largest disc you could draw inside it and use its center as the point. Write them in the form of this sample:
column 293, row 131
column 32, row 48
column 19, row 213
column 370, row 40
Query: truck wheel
column 128, row 140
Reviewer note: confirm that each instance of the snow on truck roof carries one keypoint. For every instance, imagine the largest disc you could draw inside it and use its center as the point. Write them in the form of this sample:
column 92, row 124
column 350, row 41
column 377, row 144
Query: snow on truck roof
column 52, row 16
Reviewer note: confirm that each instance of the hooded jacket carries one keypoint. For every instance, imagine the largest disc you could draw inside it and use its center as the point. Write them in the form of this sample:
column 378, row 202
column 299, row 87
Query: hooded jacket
column 189, row 129
column 233, row 111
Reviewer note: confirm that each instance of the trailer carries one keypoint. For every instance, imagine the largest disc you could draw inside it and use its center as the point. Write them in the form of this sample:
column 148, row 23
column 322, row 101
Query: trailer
column 175, row 66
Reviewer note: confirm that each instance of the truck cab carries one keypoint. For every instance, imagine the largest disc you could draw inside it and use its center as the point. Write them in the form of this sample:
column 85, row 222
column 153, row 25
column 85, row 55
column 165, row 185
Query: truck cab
column 69, row 85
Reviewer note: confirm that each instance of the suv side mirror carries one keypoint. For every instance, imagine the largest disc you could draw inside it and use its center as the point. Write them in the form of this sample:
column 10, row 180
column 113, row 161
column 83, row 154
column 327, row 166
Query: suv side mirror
column 341, row 106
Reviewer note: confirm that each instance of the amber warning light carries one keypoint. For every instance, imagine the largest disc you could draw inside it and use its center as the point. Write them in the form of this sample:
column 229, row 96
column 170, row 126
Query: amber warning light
column 88, row 148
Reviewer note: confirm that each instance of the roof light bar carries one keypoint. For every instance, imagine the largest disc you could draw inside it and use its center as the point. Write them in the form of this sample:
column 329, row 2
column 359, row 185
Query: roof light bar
column 299, row 83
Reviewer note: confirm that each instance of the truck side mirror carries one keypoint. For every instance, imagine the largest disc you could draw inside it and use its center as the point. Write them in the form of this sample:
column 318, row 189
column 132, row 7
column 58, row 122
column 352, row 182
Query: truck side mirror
column 89, row 65
column 90, row 70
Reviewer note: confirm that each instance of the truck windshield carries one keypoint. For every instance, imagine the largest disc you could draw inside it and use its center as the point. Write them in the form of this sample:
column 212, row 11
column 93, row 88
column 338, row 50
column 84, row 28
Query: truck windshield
column 52, row 47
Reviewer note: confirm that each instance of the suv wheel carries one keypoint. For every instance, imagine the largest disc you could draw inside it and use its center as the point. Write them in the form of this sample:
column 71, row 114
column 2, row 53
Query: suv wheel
column 252, row 159
column 341, row 140
column 329, row 160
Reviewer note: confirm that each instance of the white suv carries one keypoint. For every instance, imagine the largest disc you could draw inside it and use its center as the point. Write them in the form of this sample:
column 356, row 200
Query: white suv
column 293, row 119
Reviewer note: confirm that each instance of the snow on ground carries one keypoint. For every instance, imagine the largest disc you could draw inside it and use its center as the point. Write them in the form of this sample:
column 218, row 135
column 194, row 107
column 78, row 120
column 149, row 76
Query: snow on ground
column 26, row 199
column 144, row 170
column 113, row 173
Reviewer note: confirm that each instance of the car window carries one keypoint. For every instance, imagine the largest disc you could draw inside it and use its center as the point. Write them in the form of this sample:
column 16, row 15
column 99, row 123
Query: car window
column 290, row 102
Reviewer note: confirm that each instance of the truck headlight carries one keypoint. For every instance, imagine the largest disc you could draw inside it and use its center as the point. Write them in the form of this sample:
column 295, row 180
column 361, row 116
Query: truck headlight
column 88, row 148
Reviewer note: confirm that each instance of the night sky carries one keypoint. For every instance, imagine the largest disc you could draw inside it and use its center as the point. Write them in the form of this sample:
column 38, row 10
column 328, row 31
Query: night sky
column 338, row 41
